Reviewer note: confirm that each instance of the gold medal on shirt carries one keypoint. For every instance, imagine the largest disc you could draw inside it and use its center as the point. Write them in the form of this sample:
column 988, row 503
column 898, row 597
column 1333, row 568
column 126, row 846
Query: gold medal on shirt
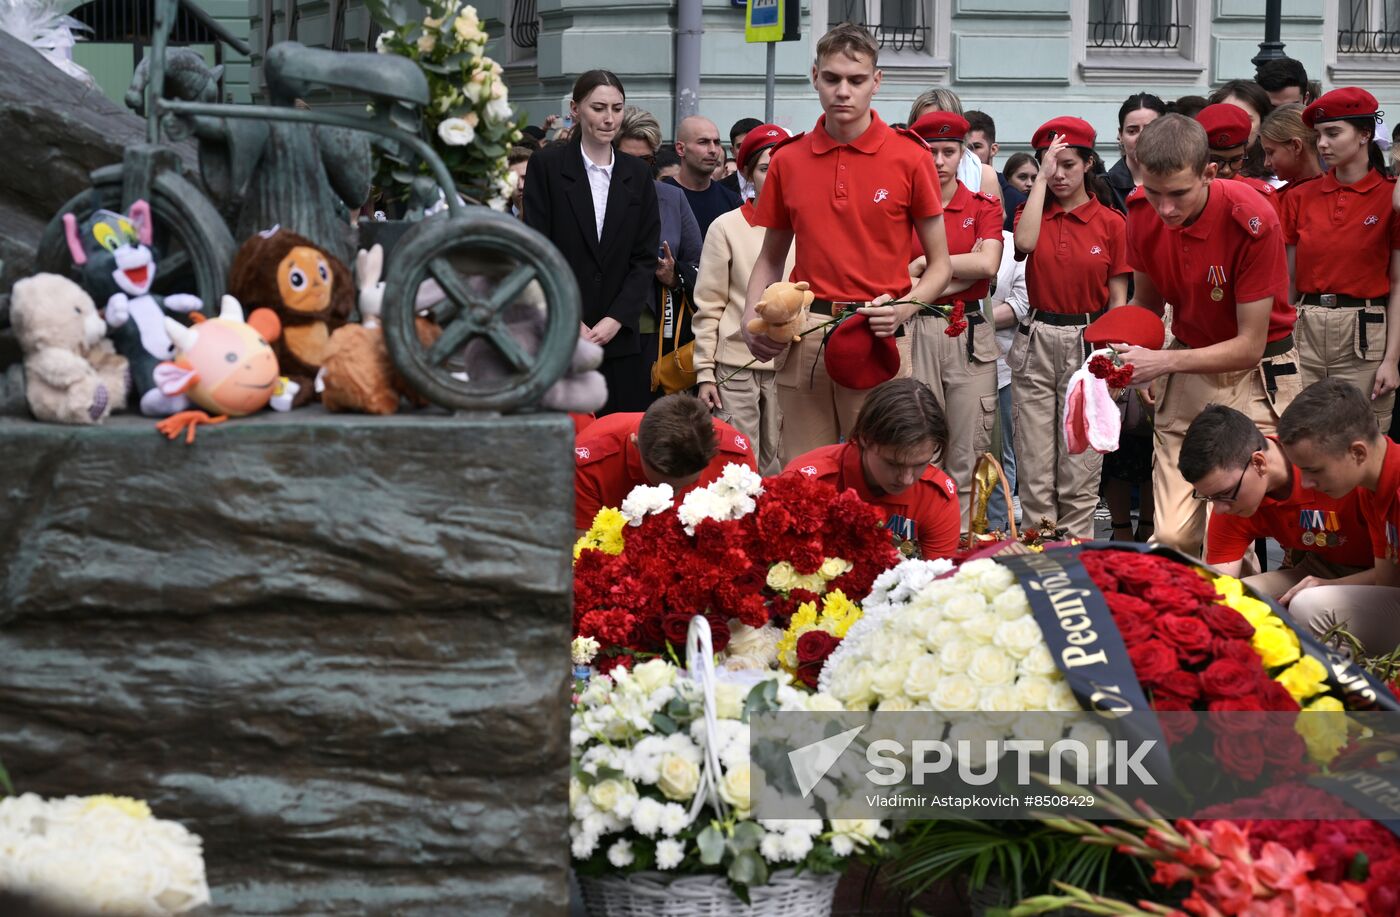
column 1216, row 278
column 1217, row 294
column 1309, row 538
column 1321, row 540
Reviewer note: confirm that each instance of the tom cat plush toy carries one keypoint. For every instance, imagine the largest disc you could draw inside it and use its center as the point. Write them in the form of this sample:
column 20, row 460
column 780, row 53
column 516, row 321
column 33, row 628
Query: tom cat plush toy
column 117, row 267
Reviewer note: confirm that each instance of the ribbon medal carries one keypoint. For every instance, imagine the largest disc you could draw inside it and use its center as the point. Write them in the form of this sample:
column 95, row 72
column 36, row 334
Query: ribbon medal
column 1216, row 278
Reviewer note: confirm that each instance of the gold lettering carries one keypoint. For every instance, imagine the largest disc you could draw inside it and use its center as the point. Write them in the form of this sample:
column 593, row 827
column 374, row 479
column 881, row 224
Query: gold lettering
column 1074, row 657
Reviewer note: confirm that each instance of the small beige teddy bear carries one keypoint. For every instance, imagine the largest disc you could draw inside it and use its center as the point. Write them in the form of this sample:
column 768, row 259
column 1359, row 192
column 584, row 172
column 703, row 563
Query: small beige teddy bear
column 72, row 374
column 782, row 311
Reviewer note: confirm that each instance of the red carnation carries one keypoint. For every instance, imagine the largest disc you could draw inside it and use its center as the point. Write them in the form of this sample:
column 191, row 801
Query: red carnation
column 1152, row 659
column 957, row 323
column 1100, row 366
column 1230, row 678
column 1122, row 377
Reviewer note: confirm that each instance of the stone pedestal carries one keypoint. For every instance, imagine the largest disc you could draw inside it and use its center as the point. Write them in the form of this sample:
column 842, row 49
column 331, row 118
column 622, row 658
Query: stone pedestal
column 334, row 646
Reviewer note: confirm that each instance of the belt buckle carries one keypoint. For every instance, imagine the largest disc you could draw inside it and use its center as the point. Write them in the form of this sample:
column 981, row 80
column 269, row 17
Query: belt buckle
column 1329, row 299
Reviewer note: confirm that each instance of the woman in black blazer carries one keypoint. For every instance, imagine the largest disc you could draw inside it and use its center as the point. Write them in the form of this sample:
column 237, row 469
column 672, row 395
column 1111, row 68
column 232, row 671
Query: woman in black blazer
column 613, row 255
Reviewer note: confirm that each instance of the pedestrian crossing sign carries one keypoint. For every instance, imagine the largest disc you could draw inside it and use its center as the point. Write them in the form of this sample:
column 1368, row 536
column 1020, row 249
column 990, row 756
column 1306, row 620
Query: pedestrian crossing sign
column 767, row 20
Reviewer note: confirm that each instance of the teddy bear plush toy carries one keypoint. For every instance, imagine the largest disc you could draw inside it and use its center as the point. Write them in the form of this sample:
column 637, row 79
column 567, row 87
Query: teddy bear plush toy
column 782, row 310
column 71, row 372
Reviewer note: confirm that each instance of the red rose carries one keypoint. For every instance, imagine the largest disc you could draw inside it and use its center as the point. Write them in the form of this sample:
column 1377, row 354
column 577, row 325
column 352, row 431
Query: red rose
column 1226, row 622
column 1133, row 629
column 1275, row 697
column 676, row 627
column 1176, row 717
column 1182, row 684
column 1240, row 755
column 1123, row 605
column 1230, row 678
column 1152, row 659
column 815, row 646
column 1190, row 636
column 1241, row 705
column 719, row 631
column 1285, row 750
column 1137, row 578
column 1238, row 650
column 1170, row 599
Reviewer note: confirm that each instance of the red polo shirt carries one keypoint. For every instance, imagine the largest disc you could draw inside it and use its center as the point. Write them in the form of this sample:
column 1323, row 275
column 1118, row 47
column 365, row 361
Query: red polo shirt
column 970, row 217
column 1078, row 251
column 1380, row 507
column 851, row 206
column 926, row 512
column 607, row 464
column 1305, row 520
column 1344, row 235
column 1266, row 190
column 1235, row 246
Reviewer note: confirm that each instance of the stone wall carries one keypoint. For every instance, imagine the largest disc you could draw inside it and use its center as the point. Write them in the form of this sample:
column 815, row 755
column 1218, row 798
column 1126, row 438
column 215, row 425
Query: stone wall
column 336, row 647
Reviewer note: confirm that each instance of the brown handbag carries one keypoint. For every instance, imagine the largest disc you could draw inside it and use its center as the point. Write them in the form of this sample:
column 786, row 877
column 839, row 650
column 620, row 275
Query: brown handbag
column 674, row 371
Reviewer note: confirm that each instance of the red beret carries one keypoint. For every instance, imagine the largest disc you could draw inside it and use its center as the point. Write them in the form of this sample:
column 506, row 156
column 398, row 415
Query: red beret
column 1347, row 102
column 1074, row 131
column 1127, row 325
column 1227, row 126
column 939, row 126
column 757, row 140
column 856, row 358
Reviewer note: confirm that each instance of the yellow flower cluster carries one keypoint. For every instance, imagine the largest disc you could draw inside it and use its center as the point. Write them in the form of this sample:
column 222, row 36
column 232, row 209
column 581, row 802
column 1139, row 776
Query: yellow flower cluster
column 837, row 615
column 783, row 577
column 1303, row 676
column 604, row 535
column 134, row 808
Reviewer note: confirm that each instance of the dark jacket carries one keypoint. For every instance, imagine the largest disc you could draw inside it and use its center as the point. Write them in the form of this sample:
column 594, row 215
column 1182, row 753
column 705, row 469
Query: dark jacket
column 1121, row 181
column 615, row 274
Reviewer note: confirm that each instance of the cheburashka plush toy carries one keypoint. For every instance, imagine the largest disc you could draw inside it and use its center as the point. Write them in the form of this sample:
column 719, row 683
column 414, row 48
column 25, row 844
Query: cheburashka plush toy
column 117, row 267
column 72, row 374
column 226, row 366
column 309, row 290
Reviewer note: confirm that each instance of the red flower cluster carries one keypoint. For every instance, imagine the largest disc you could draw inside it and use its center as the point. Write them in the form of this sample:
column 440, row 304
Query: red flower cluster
column 957, row 320
column 813, row 648
column 1103, row 367
column 644, row 598
column 1192, row 653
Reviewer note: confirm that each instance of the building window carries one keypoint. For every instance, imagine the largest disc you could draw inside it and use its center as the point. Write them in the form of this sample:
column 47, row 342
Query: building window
column 1136, row 24
column 1368, row 27
column 897, row 25
column 524, row 24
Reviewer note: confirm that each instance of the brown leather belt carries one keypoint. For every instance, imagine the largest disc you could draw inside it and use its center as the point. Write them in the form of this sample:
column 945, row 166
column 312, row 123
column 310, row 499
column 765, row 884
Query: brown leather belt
column 1338, row 301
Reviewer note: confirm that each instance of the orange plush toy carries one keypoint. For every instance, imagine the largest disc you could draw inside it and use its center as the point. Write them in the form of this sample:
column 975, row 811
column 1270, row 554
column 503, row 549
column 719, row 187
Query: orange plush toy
column 308, row 289
column 782, row 310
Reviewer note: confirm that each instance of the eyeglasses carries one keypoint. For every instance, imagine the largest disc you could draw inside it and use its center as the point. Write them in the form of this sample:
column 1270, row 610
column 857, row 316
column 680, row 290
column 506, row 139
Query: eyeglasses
column 1222, row 498
column 1234, row 162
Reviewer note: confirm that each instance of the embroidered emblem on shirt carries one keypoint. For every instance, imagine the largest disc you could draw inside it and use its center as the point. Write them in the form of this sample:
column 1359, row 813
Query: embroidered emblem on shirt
column 951, row 487
column 740, row 442
column 1254, row 224
column 581, row 452
column 968, row 222
column 1096, row 250
column 1371, row 220
column 809, row 470
column 880, row 195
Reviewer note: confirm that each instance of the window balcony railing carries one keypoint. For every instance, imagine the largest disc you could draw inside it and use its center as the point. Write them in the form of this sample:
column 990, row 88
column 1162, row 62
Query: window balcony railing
column 896, row 25
column 1135, row 24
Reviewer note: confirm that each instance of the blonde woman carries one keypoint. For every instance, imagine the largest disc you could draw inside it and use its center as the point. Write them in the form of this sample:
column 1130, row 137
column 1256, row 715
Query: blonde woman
column 746, row 396
column 1290, row 146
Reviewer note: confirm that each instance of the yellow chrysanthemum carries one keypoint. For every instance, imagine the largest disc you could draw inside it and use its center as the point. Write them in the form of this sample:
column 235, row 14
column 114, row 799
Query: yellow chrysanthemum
column 1323, row 726
column 1304, row 678
column 839, row 613
column 803, row 620
column 125, row 804
column 1276, row 644
column 604, row 535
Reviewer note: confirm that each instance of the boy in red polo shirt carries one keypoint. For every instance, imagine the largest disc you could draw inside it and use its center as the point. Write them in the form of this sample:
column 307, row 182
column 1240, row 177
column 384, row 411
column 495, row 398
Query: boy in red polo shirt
column 899, row 431
column 848, row 191
column 1227, row 130
column 675, row 442
column 1329, row 433
column 1214, row 250
column 1257, row 493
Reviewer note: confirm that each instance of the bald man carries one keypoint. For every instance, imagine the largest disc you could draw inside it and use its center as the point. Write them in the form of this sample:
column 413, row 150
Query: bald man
column 700, row 149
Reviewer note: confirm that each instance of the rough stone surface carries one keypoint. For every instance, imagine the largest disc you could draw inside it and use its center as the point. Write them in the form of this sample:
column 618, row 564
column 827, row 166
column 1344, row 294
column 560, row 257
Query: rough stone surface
column 56, row 131
column 335, row 647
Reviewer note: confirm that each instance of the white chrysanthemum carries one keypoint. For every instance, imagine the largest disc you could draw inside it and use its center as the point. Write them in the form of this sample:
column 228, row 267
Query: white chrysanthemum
column 771, row 847
column 646, row 816
column 674, row 819
column 646, row 501
column 797, row 843
column 669, row 853
column 620, row 853
column 583, row 845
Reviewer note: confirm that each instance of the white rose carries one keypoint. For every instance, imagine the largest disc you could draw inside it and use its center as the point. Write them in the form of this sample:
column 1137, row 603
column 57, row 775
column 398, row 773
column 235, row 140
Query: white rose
column 1018, row 637
column 964, row 607
column 823, row 703
column 981, row 629
column 998, row 699
column 922, row 677
column 1091, row 734
column 734, row 789
column 729, row 700
column 654, row 674
column 498, row 110
column 1039, row 661
column 781, row 576
column 853, row 686
column 991, row 666
column 1046, row 728
column 1033, row 692
column 456, row 132
column 894, row 705
column 679, row 778
column 976, row 735
column 1011, row 604
column 606, row 794
column 941, row 632
column 956, row 655
column 833, row 567
column 955, row 693
column 988, row 577
column 1062, row 699
column 889, row 680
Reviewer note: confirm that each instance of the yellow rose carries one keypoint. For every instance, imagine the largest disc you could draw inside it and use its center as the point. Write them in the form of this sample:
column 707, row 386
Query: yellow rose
column 1323, row 726
column 734, row 789
column 1228, row 587
column 1276, row 646
column 679, row 778
column 833, row 567
column 781, row 576
column 1304, row 678
column 1254, row 611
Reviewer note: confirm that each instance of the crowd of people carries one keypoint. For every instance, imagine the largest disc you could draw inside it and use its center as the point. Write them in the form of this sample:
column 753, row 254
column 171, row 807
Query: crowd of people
column 1257, row 230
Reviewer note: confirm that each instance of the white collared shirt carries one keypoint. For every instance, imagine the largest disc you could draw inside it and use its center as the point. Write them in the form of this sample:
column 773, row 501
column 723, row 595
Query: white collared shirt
column 599, row 179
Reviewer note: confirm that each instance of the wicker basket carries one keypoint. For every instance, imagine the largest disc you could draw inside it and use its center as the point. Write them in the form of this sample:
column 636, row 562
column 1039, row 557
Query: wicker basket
column 654, row 894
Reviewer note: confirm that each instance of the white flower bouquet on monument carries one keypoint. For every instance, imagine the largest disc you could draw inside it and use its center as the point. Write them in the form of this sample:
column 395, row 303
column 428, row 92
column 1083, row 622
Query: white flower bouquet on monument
column 660, row 788
column 103, row 854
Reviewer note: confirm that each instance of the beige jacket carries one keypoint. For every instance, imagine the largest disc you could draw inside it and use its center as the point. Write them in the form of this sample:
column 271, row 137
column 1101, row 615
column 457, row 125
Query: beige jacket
column 731, row 249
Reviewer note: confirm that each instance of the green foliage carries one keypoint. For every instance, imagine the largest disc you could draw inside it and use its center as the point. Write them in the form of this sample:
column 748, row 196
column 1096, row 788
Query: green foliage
column 469, row 119
column 1026, row 855
column 5, row 784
